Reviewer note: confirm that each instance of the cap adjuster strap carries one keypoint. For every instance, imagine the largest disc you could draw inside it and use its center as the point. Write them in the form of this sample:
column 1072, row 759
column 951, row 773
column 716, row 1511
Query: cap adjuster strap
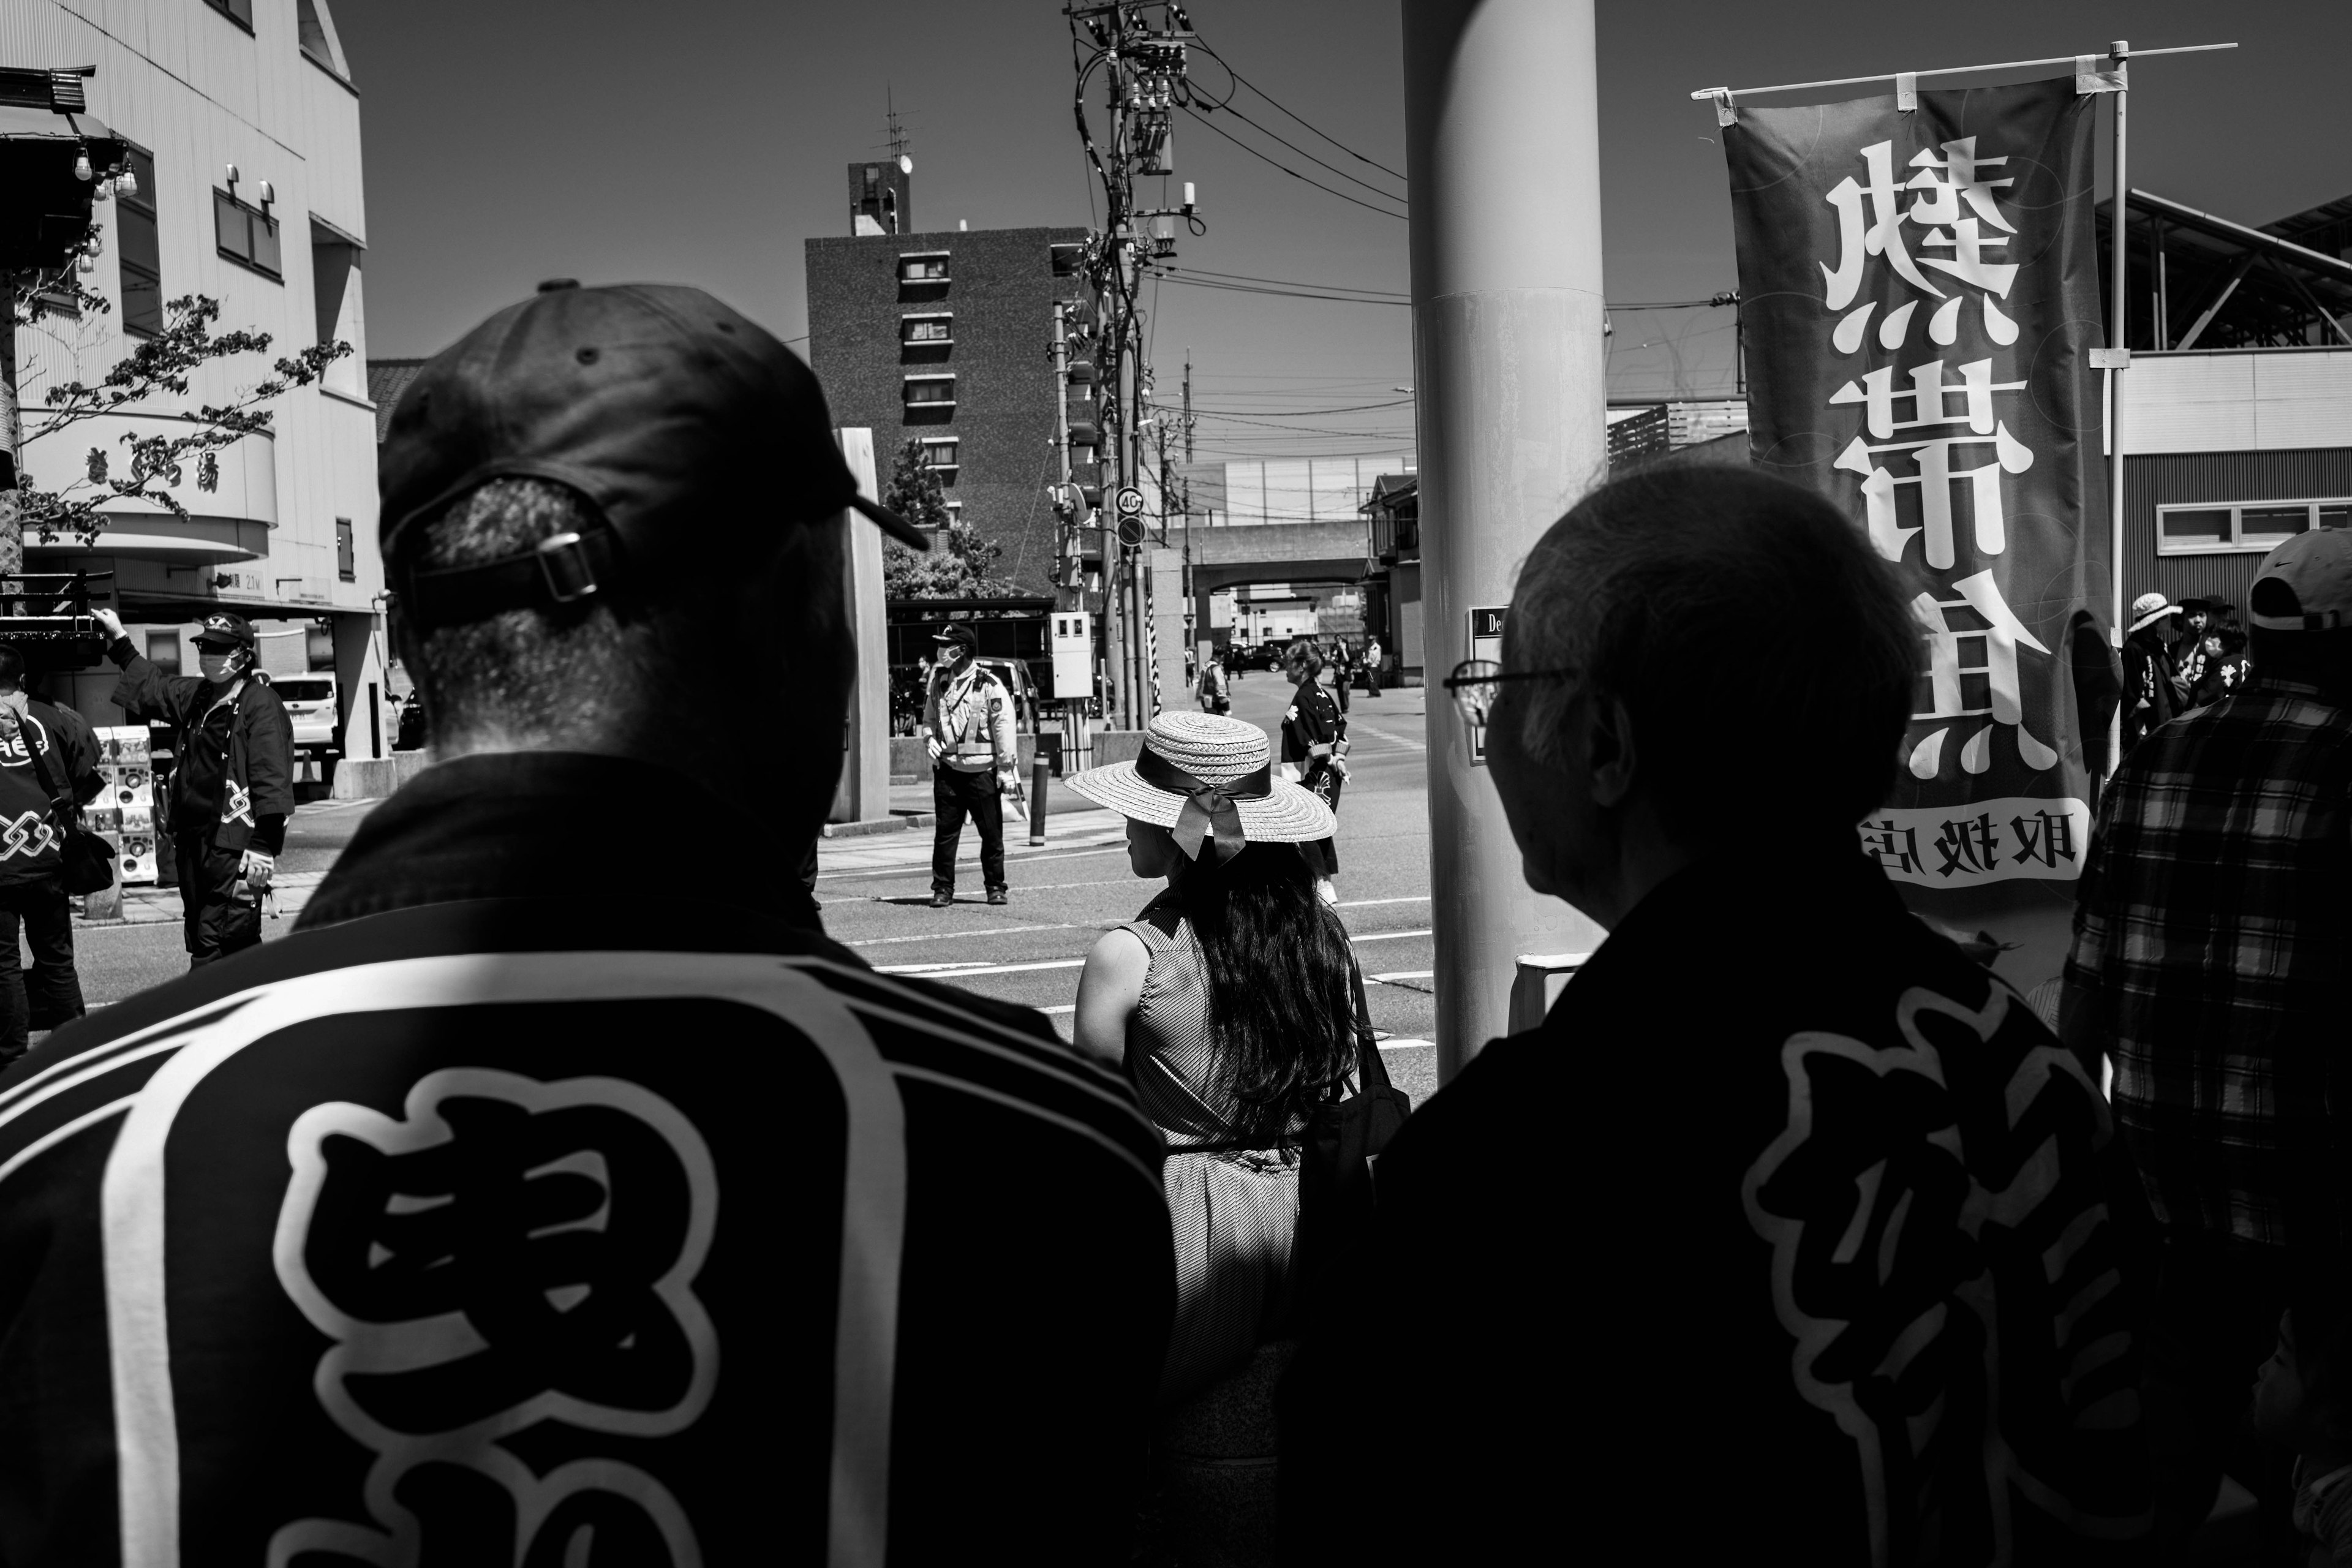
column 563, row 563
column 563, row 569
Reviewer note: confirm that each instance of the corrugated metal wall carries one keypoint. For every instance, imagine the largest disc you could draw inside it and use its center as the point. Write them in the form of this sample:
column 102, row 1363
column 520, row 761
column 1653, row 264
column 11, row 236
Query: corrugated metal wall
column 2174, row 476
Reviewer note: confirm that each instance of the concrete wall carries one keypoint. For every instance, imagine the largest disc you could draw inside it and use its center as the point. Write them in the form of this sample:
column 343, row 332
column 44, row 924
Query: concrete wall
column 1001, row 293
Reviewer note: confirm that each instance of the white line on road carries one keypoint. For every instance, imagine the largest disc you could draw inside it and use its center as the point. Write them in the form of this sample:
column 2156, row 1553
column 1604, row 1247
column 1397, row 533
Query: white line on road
column 1403, row 974
column 1407, row 1045
column 957, row 935
column 1368, row 903
column 923, row 867
column 1358, row 727
column 1056, row 1012
column 967, row 971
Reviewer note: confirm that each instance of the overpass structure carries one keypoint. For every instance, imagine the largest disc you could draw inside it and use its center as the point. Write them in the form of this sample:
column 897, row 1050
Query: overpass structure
column 1230, row 557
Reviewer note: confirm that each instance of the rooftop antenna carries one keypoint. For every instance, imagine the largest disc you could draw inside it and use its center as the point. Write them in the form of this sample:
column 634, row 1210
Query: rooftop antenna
column 895, row 129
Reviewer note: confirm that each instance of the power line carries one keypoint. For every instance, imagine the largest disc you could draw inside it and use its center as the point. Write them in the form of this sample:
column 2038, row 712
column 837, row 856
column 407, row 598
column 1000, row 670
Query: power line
column 1288, row 169
column 1288, row 293
column 1310, row 157
column 1284, row 282
column 1318, row 131
column 1305, row 413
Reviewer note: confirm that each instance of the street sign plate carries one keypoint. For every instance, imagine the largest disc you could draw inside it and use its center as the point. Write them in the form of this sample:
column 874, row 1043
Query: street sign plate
column 1130, row 530
column 1129, row 501
column 1486, row 643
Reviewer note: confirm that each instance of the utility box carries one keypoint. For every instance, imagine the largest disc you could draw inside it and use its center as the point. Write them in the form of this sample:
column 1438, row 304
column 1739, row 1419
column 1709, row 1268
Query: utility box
column 1074, row 655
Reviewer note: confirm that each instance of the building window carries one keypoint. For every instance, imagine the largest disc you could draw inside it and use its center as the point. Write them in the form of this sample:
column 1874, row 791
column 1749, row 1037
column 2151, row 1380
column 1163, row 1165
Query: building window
column 238, row 11
column 1069, row 260
column 335, row 282
column 139, row 249
column 939, row 456
column 163, row 651
column 312, row 33
column 247, row 236
column 955, row 512
column 935, row 331
column 930, row 390
column 347, row 563
column 924, row 266
column 2206, row 528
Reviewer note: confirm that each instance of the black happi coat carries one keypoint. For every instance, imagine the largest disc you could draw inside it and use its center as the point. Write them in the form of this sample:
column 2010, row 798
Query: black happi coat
column 490, row 1215
column 1813, row 1253
column 32, row 825
column 233, row 777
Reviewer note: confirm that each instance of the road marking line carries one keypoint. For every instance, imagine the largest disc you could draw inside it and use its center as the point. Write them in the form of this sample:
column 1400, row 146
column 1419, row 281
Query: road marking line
column 1403, row 974
column 1357, row 725
column 910, row 868
column 967, row 971
column 1056, row 1012
column 1407, row 1045
column 954, row 935
column 1368, row 903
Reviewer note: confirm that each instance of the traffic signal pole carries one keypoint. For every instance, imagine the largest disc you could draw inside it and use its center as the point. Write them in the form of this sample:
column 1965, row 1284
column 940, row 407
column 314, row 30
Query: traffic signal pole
column 1503, row 153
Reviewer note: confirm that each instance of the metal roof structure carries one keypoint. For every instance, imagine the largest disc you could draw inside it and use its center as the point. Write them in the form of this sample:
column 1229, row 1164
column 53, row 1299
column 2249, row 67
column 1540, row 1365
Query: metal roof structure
column 2201, row 281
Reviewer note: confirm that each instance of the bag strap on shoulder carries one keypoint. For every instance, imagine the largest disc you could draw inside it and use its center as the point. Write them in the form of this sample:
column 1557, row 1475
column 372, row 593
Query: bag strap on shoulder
column 41, row 771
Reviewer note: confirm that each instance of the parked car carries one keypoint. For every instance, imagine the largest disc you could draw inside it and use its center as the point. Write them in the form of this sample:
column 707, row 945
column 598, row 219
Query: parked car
column 310, row 703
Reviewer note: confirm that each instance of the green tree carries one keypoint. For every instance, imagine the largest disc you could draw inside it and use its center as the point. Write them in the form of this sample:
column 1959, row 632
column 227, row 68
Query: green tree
column 960, row 564
column 159, row 364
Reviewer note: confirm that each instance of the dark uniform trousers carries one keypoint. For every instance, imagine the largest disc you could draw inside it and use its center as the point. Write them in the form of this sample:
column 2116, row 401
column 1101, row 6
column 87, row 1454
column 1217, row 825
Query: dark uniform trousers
column 956, row 794
column 53, row 995
column 217, row 924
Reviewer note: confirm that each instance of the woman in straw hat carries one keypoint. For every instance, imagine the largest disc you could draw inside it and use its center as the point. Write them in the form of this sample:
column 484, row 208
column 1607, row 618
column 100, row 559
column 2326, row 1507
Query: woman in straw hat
column 1229, row 1002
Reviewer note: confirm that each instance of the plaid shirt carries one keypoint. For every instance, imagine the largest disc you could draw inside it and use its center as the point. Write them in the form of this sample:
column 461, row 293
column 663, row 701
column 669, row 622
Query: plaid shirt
column 2214, row 924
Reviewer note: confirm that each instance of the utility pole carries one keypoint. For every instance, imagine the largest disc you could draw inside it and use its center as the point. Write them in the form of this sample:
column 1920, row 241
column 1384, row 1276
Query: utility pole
column 1502, row 135
column 1143, row 74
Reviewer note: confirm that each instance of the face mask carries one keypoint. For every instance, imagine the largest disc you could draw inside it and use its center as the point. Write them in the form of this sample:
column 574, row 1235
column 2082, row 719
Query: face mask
column 215, row 666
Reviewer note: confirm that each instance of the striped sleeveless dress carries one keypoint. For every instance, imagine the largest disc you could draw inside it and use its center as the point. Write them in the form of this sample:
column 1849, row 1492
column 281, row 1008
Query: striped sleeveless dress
column 1233, row 1210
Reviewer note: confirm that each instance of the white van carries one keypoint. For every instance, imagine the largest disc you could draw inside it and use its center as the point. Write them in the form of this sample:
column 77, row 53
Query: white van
column 310, row 703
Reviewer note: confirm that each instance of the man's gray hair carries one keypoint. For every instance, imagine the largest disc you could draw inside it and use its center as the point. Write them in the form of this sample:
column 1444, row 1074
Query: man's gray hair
column 1763, row 648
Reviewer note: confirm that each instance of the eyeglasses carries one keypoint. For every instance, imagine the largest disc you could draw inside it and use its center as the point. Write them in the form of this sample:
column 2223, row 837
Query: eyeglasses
column 1477, row 682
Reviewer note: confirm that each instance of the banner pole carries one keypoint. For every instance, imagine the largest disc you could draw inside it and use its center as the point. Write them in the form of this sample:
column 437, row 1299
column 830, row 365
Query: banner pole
column 2119, row 51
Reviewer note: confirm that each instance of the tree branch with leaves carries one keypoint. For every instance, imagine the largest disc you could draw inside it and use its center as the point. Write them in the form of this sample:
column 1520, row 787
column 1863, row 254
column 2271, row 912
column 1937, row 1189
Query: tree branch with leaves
column 162, row 365
column 960, row 564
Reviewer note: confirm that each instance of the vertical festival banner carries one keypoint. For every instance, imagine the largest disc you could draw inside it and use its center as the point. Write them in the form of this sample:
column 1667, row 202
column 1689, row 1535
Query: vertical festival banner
column 1919, row 287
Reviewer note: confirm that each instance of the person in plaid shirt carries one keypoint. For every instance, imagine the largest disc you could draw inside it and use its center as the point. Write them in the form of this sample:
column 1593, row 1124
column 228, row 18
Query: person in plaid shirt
column 2212, row 964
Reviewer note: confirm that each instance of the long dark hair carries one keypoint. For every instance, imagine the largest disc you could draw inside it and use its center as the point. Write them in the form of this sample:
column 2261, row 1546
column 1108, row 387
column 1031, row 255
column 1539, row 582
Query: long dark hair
column 1281, row 993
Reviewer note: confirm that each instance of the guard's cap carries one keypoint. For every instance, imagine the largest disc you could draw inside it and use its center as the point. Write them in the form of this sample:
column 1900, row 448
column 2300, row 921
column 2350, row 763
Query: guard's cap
column 653, row 401
column 225, row 628
column 957, row 635
column 2305, row 584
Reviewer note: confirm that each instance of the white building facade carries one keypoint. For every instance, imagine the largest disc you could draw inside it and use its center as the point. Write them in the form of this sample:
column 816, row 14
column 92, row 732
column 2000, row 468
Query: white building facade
column 245, row 132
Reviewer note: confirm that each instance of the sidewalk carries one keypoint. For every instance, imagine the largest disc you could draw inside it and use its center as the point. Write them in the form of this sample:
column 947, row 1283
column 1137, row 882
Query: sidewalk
column 160, row 904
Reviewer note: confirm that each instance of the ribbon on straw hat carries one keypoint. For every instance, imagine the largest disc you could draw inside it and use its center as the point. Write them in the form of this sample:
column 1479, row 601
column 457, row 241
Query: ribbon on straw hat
column 1209, row 819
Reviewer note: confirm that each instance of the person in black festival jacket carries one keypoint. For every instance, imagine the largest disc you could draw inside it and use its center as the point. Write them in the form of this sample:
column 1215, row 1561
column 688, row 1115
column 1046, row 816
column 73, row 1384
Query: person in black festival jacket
column 1790, row 1228
column 49, row 771
column 232, row 786
column 1315, row 743
column 550, row 1194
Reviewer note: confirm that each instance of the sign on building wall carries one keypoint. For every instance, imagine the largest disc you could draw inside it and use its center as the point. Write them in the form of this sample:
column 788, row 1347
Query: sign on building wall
column 1921, row 296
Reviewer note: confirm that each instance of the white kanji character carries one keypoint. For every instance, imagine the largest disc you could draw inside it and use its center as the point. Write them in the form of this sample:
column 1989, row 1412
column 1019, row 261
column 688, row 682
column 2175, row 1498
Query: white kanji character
column 1989, row 652
column 1935, row 478
column 1882, row 235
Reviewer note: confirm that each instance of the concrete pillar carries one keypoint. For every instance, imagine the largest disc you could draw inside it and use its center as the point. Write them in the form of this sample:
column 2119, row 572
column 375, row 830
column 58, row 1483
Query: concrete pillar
column 1502, row 146
column 360, row 678
column 863, row 793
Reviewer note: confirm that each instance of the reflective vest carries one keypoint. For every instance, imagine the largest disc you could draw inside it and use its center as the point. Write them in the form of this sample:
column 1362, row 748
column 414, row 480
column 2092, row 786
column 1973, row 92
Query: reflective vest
column 971, row 727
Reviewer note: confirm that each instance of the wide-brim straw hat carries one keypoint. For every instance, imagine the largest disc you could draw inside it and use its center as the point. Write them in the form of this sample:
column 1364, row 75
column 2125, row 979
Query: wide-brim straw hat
column 1216, row 750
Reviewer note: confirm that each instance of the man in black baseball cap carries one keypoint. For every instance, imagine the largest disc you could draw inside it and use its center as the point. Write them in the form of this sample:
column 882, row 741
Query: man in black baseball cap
column 558, row 1175
column 232, row 784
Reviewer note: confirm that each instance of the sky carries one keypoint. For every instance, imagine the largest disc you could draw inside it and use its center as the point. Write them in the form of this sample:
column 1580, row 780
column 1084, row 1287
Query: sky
column 700, row 141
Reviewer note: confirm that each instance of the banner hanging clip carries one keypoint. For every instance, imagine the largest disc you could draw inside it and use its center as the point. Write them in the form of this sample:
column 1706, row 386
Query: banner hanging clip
column 1723, row 113
column 1907, row 90
column 2090, row 78
column 2111, row 359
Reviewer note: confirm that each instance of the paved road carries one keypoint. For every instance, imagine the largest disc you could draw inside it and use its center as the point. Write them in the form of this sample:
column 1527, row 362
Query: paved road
column 875, row 891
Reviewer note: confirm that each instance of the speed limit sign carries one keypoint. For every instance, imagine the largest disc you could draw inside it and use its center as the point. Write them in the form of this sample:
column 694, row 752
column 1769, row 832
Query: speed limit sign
column 1129, row 501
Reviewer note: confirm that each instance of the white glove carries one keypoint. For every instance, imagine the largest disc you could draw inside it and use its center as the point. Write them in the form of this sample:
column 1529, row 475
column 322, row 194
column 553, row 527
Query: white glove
column 931, row 744
column 258, row 869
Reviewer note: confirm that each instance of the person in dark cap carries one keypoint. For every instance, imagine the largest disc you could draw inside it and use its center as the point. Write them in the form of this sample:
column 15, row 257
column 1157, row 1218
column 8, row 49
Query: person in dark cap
column 232, row 783
column 968, row 731
column 557, row 1190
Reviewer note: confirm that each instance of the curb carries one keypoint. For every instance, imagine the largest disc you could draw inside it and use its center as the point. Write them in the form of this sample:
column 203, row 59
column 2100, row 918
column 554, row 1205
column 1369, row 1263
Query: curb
column 897, row 822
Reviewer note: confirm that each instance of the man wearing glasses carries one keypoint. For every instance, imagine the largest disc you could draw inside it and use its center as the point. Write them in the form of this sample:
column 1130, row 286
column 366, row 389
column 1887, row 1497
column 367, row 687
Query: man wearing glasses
column 1782, row 1165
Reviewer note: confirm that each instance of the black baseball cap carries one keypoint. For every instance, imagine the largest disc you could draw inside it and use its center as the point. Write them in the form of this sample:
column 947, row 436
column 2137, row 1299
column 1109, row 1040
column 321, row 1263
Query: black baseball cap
column 651, row 401
column 225, row 628
column 959, row 634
